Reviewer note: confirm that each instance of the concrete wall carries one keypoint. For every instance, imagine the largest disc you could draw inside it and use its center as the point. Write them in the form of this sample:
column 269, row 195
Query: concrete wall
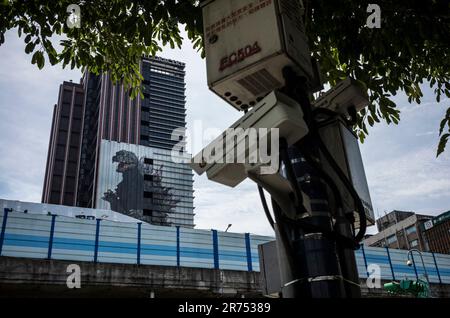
column 47, row 278
column 26, row 277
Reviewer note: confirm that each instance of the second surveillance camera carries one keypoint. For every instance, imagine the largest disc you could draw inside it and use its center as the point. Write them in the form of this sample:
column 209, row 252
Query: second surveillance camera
column 228, row 159
column 347, row 93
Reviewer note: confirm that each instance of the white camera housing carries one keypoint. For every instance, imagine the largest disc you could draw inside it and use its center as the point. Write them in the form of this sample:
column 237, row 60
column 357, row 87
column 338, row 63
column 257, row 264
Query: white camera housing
column 276, row 110
column 345, row 94
column 247, row 45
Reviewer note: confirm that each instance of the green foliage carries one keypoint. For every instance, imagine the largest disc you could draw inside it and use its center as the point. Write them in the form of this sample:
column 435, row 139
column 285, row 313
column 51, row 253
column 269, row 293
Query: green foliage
column 411, row 47
column 444, row 136
column 113, row 36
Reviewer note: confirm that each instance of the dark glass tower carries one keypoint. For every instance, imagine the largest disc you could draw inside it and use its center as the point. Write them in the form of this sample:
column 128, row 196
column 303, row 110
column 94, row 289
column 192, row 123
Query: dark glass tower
column 61, row 173
column 125, row 160
column 163, row 108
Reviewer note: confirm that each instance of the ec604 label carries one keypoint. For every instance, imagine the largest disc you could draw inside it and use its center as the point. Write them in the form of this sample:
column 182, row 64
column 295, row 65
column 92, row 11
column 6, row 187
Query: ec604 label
column 239, row 55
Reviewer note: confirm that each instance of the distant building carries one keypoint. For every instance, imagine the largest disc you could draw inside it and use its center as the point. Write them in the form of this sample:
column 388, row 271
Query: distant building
column 392, row 218
column 108, row 151
column 64, row 210
column 400, row 230
column 61, row 173
column 437, row 233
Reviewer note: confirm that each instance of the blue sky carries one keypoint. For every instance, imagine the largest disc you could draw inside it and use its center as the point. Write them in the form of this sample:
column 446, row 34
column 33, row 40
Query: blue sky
column 401, row 167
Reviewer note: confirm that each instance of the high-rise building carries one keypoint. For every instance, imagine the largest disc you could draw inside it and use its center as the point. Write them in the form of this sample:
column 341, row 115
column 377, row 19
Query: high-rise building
column 61, row 173
column 125, row 160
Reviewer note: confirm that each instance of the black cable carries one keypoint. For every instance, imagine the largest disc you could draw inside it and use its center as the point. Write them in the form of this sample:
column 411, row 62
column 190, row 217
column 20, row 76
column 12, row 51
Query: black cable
column 291, row 174
column 324, row 176
column 307, row 226
column 265, row 207
column 359, row 205
column 296, row 87
column 341, row 175
column 306, row 106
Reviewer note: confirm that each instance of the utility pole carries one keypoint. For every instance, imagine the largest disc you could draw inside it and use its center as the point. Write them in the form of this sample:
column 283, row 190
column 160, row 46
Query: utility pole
column 258, row 60
column 322, row 266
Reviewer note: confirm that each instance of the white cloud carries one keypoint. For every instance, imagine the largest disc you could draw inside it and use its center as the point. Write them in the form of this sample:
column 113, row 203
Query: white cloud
column 218, row 205
column 401, row 165
column 27, row 96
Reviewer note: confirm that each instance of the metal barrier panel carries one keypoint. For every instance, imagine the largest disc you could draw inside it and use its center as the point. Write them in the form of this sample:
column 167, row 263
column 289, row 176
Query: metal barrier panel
column 361, row 262
column 29, row 235
column 74, row 239
column 443, row 262
column 232, row 251
column 402, row 270
column 256, row 240
column 26, row 235
column 196, row 248
column 117, row 243
column 378, row 256
column 158, row 245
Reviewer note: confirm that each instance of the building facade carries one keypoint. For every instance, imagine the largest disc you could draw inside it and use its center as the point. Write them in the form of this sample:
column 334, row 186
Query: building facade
column 437, row 233
column 61, row 173
column 145, row 183
column 111, row 119
column 400, row 230
column 392, row 218
column 163, row 107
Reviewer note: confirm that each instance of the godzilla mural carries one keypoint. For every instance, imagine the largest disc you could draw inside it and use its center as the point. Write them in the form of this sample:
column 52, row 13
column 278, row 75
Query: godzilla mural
column 128, row 196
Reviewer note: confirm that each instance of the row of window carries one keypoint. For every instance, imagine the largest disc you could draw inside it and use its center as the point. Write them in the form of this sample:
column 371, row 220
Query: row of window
column 393, row 238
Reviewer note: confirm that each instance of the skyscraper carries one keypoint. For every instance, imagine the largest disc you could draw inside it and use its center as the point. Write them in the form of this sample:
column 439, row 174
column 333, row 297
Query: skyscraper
column 61, row 173
column 125, row 161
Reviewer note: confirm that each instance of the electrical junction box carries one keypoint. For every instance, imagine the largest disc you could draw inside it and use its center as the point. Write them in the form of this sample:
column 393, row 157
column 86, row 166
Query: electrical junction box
column 342, row 144
column 269, row 265
column 277, row 111
column 247, row 45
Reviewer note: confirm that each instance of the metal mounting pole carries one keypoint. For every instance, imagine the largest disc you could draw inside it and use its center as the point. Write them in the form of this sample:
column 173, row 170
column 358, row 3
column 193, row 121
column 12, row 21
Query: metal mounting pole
column 322, row 267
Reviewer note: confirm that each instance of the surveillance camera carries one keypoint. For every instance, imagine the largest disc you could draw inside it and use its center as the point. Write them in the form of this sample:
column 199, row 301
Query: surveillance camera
column 229, row 157
column 409, row 263
column 346, row 94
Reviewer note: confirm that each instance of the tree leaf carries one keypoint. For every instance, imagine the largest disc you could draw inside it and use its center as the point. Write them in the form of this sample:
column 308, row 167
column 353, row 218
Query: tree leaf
column 40, row 59
column 442, row 144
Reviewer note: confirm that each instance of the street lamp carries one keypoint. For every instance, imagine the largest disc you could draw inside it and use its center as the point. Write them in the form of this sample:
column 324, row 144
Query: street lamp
column 229, row 225
column 411, row 262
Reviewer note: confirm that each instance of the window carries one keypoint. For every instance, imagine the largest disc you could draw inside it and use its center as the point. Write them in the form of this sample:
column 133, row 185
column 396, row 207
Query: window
column 148, row 161
column 391, row 239
column 147, row 212
column 148, row 194
column 414, row 243
column 410, row 230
